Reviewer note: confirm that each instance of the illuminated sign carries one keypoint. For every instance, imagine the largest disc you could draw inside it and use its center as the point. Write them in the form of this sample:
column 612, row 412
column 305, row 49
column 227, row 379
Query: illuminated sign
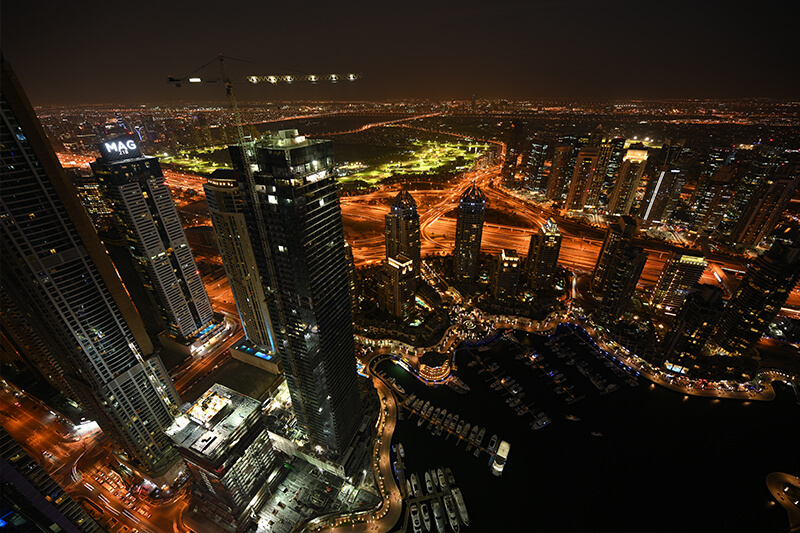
column 119, row 148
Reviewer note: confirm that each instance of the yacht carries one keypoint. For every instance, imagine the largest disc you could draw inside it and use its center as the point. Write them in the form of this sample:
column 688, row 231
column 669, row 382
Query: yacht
column 437, row 516
column 473, row 434
column 448, row 420
column 426, row 516
column 450, row 507
column 465, row 431
column 572, row 417
column 454, row 422
column 450, row 479
column 409, row 490
column 481, row 435
column 400, row 450
column 415, row 486
column 428, row 483
column 500, row 458
column 435, row 479
column 397, row 386
column 459, row 427
column 415, row 519
column 492, row 444
column 442, row 480
column 462, row 508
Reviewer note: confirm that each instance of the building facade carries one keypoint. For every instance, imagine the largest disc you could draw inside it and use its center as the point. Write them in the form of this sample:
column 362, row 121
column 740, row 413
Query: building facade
column 469, row 231
column 623, row 275
column 146, row 217
column 680, row 274
column 60, row 278
column 396, row 287
column 541, row 265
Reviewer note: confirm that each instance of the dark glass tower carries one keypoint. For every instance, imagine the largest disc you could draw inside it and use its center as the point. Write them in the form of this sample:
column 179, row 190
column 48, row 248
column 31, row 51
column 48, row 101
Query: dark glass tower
column 542, row 262
column 469, row 230
column 760, row 295
column 303, row 268
column 402, row 229
column 619, row 235
column 61, row 280
column 623, row 275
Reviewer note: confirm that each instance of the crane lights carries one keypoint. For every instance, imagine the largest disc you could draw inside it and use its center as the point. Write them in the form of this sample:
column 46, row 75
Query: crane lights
column 313, row 78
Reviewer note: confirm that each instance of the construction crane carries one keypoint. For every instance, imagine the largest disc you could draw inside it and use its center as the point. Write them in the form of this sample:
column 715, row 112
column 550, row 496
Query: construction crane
column 248, row 152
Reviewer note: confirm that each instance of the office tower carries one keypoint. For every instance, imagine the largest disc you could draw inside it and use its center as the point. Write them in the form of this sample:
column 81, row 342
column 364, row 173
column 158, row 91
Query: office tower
column 514, row 138
column 541, row 265
column 224, row 440
column 671, row 151
column 604, row 152
column 582, row 178
column 59, row 276
column 92, row 199
column 681, row 348
column 712, row 201
column 146, row 217
column 662, row 195
column 303, row 267
column 630, row 174
column 597, row 136
column 226, row 204
column 396, row 287
column 560, row 173
column 352, row 277
column 765, row 161
column 623, row 275
column 619, row 235
column 765, row 208
column 762, row 292
column 469, row 230
column 534, row 164
column 505, row 274
column 31, row 498
column 680, row 274
column 401, row 229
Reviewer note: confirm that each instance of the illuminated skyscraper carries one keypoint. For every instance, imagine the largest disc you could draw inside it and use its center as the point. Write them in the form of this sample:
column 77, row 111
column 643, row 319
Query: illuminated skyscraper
column 469, row 230
column 534, row 163
column 711, row 200
column 623, row 275
column 682, row 347
column 303, row 268
column 514, row 140
column 680, row 275
column 401, row 225
column 146, row 217
column 760, row 295
column 541, row 265
column 662, row 195
column 582, row 179
column 505, row 274
column 764, row 163
column 630, row 174
column 560, row 172
column 396, row 287
column 61, row 280
column 226, row 204
column 619, row 235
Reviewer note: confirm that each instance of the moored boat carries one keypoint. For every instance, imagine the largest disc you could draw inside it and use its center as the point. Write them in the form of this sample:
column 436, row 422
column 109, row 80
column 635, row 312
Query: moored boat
column 462, row 508
column 450, row 478
column 426, row 516
column 415, row 486
column 400, row 450
column 437, row 516
column 415, row 519
column 428, row 483
column 492, row 443
column 451, row 513
column 442, row 480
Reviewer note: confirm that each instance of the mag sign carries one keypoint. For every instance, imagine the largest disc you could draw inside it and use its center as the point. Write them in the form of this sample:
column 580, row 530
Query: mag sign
column 119, row 148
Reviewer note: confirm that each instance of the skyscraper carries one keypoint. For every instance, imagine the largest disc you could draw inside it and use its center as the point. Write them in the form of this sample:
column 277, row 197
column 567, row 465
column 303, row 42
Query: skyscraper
column 469, row 230
column 711, row 200
column 680, row 274
column 303, row 267
column 396, row 287
column 541, row 264
column 146, row 217
column 764, row 209
column 619, row 235
column 514, row 141
column 630, row 174
column 534, row 163
column 582, row 178
column 226, row 204
column 760, row 295
column 401, row 225
column 623, row 275
column 505, row 274
column 60, row 278
column 560, row 172
column 682, row 346
column 662, row 195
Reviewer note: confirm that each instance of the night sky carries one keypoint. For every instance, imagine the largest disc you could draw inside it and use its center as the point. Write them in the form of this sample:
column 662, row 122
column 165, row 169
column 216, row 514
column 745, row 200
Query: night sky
column 122, row 52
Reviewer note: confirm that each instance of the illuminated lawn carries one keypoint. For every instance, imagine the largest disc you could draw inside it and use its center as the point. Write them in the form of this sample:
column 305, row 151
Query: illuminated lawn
column 427, row 156
column 202, row 163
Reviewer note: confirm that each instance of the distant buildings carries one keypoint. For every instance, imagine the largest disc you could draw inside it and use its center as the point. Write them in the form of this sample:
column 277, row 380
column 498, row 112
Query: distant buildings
column 469, row 230
column 630, row 174
column 756, row 302
column 619, row 235
column 78, row 319
column 224, row 440
column 541, row 265
column 680, row 274
column 298, row 239
column 505, row 274
column 401, row 230
column 146, row 217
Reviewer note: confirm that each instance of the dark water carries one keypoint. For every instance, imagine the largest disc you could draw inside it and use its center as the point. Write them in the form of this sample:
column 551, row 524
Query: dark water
column 663, row 463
